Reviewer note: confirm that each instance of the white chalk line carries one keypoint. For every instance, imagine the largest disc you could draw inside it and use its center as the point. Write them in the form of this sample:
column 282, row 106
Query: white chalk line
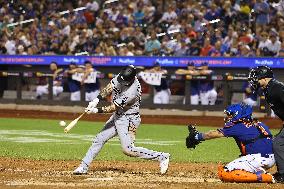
column 38, row 136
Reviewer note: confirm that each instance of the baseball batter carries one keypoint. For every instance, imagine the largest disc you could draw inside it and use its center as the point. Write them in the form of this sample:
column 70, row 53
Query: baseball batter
column 252, row 137
column 125, row 120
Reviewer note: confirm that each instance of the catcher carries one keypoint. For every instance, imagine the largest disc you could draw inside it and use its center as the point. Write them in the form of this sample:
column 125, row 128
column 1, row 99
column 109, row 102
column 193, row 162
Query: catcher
column 254, row 140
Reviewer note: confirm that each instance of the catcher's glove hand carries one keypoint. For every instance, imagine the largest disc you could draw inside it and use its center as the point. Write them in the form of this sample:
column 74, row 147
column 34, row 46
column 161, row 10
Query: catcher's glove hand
column 192, row 140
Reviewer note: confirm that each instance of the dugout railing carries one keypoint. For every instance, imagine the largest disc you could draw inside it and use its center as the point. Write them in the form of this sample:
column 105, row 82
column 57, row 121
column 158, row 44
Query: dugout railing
column 227, row 81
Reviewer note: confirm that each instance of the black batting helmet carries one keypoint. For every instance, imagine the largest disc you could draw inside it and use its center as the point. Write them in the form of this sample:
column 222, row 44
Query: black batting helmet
column 258, row 73
column 127, row 75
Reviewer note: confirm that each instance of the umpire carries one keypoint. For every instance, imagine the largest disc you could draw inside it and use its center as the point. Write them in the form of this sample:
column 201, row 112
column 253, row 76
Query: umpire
column 262, row 76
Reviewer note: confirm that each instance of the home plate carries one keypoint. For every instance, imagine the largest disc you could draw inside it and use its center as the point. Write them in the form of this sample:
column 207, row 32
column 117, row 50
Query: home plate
column 99, row 179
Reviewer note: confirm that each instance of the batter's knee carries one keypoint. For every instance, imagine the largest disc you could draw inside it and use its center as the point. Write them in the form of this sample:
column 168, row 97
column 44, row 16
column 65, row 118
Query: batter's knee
column 99, row 140
column 128, row 150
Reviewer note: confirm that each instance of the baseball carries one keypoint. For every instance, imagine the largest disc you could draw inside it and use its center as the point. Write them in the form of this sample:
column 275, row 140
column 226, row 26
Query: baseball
column 62, row 123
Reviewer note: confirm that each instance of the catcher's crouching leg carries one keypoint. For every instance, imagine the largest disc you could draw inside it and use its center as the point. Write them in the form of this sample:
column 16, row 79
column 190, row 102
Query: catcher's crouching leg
column 243, row 176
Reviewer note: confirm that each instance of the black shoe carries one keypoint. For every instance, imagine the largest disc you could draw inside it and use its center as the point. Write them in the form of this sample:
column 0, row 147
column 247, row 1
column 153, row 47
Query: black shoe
column 279, row 178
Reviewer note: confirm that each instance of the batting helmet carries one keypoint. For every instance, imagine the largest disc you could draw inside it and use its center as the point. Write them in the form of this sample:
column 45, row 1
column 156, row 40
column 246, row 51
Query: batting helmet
column 127, row 75
column 236, row 112
column 258, row 73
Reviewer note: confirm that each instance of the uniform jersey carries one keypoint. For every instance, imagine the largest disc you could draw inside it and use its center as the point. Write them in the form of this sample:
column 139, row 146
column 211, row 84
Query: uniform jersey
column 58, row 78
column 164, row 85
column 274, row 94
column 73, row 85
column 250, row 137
column 194, row 87
column 127, row 98
column 91, row 87
column 206, row 85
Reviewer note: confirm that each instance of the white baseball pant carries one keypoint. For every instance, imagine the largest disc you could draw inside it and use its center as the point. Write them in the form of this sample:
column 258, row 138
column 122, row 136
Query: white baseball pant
column 162, row 97
column 125, row 127
column 92, row 95
column 75, row 96
column 43, row 89
column 208, row 97
column 251, row 163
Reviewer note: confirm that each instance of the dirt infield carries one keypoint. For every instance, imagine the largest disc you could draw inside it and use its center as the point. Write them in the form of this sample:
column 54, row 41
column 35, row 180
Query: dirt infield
column 23, row 173
column 113, row 174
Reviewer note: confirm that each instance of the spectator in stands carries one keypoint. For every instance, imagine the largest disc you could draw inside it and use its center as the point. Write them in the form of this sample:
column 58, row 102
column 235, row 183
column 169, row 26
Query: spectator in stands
column 250, row 97
column 216, row 50
column 263, row 44
column 207, row 47
column 73, row 32
column 208, row 94
column 74, row 76
column 194, row 84
column 281, row 52
column 194, row 49
column 162, row 92
column 261, row 9
column 90, row 81
column 153, row 45
column 275, row 45
column 57, row 82
column 169, row 15
column 245, row 51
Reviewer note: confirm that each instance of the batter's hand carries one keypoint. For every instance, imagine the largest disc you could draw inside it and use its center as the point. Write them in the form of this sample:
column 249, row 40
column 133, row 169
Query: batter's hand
column 93, row 103
column 91, row 110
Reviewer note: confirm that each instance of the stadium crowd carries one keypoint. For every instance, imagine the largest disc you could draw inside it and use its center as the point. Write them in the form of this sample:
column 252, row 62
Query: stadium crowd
column 144, row 27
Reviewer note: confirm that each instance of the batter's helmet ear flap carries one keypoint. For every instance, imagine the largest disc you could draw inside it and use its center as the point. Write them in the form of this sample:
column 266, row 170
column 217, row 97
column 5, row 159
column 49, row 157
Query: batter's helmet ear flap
column 127, row 75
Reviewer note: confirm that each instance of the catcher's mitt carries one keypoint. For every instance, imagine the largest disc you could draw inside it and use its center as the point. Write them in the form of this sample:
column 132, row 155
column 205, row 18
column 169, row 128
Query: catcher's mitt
column 191, row 141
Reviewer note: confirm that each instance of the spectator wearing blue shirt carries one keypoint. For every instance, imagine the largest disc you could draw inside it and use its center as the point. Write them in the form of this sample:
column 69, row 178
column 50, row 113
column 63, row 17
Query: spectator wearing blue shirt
column 261, row 9
column 152, row 45
column 139, row 15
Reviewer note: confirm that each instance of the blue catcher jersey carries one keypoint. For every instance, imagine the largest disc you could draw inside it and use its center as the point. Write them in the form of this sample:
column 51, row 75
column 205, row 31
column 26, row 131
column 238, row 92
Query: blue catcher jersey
column 251, row 138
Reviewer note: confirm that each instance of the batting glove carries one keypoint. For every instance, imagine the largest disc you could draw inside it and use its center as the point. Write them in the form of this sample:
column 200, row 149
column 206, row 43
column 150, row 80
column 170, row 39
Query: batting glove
column 91, row 110
column 93, row 103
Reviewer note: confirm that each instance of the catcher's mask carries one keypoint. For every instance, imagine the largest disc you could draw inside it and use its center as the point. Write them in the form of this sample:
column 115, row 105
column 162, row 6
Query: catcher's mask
column 236, row 112
column 127, row 75
column 258, row 73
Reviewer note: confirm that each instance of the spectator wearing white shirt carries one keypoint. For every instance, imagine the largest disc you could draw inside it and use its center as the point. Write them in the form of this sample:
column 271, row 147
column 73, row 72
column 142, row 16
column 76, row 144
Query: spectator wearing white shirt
column 175, row 26
column 10, row 46
column 263, row 43
column 169, row 15
column 274, row 45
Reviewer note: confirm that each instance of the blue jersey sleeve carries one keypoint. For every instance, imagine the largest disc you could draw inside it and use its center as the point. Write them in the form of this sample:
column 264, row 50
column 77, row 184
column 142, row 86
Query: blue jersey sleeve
column 230, row 130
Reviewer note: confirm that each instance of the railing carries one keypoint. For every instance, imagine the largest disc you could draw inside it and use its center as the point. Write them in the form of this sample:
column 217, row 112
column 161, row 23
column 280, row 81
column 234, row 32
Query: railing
column 226, row 80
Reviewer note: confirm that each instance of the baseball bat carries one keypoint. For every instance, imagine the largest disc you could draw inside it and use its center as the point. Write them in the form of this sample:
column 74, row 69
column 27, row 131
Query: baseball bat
column 72, row 123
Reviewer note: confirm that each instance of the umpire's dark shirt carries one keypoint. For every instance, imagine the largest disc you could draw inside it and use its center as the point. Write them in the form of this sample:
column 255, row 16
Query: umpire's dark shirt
column 274, row 94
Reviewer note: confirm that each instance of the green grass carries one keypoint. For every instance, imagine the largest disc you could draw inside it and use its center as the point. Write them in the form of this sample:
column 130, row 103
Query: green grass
column 44, row 139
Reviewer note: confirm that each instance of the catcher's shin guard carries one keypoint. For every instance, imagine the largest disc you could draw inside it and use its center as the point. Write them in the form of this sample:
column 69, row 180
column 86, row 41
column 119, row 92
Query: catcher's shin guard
column 244, row 176
column 225, row 176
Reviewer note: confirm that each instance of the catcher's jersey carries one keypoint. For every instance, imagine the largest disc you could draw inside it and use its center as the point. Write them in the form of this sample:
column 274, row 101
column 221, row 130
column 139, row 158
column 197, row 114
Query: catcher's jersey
column 248, row 137
column 127, row 98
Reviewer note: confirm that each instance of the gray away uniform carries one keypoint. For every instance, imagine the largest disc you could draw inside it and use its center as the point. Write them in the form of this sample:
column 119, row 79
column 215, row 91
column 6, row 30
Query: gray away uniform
column 124, row 123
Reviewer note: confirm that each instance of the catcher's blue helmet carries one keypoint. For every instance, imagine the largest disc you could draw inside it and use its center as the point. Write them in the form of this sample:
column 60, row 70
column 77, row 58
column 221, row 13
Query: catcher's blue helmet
column 236, row 112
